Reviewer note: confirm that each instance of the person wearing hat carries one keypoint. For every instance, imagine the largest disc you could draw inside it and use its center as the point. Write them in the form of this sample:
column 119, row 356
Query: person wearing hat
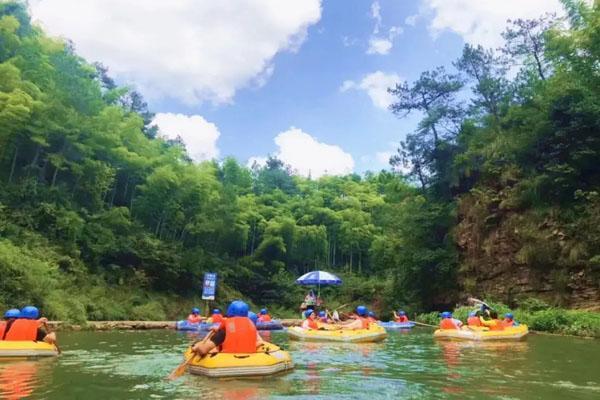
column 237, row 335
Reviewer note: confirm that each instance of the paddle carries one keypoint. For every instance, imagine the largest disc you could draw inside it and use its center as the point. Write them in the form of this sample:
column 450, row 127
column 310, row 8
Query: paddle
column 477, row 301
column 55, row 341
column 421, row 323
column 180, row 370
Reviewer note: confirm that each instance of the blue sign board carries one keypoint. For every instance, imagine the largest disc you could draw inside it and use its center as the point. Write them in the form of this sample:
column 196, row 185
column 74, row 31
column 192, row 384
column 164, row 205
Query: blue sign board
column 210, row 286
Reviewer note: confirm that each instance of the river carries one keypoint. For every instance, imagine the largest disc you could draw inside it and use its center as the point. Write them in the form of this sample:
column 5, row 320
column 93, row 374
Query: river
column 133, row 365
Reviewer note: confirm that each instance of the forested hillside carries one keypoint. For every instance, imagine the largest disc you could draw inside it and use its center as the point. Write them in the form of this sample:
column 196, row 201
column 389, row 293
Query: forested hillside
column 101, row 218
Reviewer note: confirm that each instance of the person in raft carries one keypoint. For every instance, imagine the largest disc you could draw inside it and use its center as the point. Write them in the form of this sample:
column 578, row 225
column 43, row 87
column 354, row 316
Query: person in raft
column 10, row 316
column 400, row 317
column 237, row 335
column 509, row 321
column 493, row 323
column 217, row 317
column 311, row 320
column 264, row 316
column 28, row 327
column 448, row 322
column 371, row 318
column 194, row 317
column 323, row 317
column 360, row 321
column 473, row 319
column 253, row 317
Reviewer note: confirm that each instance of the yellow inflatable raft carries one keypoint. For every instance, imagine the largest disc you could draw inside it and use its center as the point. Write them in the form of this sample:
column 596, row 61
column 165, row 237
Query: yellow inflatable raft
column 375, row 333
column 10, row 348
column 483, row 334
column 268, row 360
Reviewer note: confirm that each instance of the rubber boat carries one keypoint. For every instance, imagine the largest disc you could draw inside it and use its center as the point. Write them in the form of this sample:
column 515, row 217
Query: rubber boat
column 396, row 325
column 269, row 326
column 375, row 333
column 482, row 334
column 184, row 325
column 9, row 348
column 268, row 360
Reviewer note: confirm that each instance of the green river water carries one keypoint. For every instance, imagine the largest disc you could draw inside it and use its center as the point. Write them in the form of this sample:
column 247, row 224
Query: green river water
column 133, row 365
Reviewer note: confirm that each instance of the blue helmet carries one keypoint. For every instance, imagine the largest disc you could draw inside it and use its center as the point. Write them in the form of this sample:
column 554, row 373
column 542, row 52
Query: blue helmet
column 263, row 311
column 322, row 314
column 361, row 310
column 308, row 313
column 30, row 312
column 253, row 317
column 371, row 314
column 473, row 314
column 401, row 312
column 509, row 315
column 216, row 311
column 446, row 314
column 238, row 308
column 195, row 310
column 12, row 313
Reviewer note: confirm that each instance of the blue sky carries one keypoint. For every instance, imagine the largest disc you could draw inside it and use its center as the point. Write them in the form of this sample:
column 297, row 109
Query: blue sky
column 233, row 78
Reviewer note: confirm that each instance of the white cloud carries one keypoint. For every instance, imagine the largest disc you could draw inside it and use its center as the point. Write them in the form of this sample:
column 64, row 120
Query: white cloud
column 482, row 21
column 185, row 49
column 381, row 44
column 383, row 157
column 307, row 156
column 411, row 20
column 199, row 135
column 376, row 85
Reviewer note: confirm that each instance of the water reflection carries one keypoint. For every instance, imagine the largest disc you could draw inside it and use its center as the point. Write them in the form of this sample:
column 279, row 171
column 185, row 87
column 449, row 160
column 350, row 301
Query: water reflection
column 20, row 377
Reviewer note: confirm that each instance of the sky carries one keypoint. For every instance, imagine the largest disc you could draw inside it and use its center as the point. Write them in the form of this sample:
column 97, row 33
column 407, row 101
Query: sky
column 305, row 81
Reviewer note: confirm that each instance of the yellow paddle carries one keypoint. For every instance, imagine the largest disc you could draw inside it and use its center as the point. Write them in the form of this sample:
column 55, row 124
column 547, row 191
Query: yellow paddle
column 422, row 324
column 180, row 370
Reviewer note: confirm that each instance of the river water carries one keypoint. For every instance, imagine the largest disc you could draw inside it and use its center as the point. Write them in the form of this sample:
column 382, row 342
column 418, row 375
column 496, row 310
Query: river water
column 411, row 365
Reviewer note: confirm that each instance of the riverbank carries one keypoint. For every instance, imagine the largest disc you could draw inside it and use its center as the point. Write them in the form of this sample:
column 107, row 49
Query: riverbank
column 132, row 325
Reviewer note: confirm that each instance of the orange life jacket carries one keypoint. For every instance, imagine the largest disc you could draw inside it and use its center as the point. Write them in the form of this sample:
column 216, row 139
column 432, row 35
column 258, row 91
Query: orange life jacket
column 311, row 323
column 240, row 336
column 2, row 328
column 508, row 323
column 194, row 319
column 264, row 318
column 447, row 323
column 498, row 326
column 473, row 321
column 402, row 318
column 217, row 318
column 23, row 329
column 371, row 320
column 365, row 322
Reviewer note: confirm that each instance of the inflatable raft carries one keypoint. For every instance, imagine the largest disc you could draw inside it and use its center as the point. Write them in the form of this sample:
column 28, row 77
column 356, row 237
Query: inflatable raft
column 268, row 360
column 396, row 325
column 9, row 348
column 482, row 334
column 269, row 326
column 375, row 333
column 184, row 325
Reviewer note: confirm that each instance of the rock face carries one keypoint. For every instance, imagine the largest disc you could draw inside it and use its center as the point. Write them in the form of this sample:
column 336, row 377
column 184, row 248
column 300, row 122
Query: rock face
column 509, row 254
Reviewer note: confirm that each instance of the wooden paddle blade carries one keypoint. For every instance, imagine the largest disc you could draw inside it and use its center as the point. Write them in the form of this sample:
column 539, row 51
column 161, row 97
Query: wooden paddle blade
column 180, row 370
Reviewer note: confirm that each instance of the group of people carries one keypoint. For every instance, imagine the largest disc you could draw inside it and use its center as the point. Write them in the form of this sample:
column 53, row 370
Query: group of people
column 482, row 318
column 217, row 317
column 360, row 319
column 25, row 325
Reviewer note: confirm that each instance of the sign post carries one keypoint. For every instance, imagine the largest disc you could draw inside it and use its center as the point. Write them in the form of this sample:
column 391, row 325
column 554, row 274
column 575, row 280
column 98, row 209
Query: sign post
column 209, row 288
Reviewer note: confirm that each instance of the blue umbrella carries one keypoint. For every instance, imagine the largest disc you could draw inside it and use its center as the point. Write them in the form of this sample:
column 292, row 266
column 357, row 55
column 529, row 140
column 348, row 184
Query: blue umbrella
column 318, row 278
